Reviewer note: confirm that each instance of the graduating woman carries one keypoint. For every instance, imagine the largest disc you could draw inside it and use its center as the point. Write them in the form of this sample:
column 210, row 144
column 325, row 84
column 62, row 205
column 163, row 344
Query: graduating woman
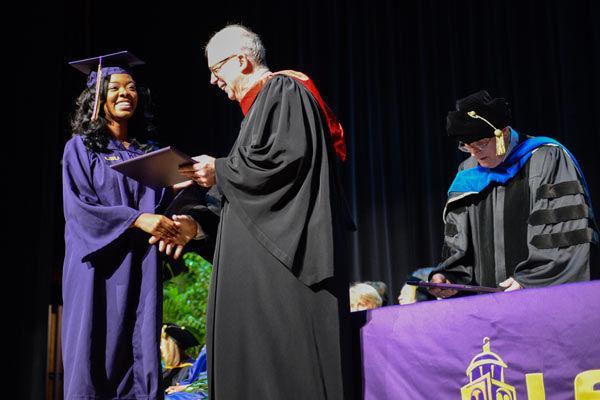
column 111, row 277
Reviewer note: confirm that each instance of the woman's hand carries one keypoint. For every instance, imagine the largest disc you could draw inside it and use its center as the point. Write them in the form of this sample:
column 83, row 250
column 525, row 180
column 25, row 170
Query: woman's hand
column 203, row 172
column 156, row 225
column 187, row 231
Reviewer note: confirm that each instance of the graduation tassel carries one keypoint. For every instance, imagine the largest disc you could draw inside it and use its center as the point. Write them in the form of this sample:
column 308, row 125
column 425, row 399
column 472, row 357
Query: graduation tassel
column 500, row 146
column 96, row 110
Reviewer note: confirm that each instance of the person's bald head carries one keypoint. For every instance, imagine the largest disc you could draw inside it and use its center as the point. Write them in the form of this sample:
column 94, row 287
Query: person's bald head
column 235, row 39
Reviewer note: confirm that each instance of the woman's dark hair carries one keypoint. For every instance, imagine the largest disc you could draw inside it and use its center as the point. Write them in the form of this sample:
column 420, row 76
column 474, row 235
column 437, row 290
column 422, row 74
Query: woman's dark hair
column 95, row 134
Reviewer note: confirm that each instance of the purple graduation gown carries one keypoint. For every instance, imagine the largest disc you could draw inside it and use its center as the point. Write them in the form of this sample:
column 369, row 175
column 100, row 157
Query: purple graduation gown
column 111, row 279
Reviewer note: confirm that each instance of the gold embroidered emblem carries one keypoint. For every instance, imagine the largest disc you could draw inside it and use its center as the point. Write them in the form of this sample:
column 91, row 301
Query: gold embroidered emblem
column 112, row 158
column 486, row 377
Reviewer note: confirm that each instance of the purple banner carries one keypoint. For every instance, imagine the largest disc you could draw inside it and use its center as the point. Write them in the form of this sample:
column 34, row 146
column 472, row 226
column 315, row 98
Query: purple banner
column 530, row 344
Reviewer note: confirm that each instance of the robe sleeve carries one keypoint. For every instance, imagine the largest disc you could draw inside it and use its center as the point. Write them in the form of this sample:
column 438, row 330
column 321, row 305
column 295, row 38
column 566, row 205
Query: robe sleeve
column 457, row 253
column 560, row 228
column 277, row 178
column 213, row 200
column 93, row 224
column 273, row 157
column 457, row 248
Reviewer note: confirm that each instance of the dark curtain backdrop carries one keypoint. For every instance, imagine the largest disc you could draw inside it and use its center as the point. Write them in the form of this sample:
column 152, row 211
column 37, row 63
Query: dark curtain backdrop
column 390, row 69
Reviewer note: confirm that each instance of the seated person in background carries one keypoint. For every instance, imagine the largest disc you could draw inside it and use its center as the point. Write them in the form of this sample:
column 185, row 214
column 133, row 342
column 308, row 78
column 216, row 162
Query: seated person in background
column 174, row 341
column 519, row 212
column 364, row 297
column 381, row 288
column 410, row 294
column 195, row 386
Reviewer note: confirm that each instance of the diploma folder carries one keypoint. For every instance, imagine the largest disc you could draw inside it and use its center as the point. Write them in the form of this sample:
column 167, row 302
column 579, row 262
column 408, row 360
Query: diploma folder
column 454, row 286
column 156, row 169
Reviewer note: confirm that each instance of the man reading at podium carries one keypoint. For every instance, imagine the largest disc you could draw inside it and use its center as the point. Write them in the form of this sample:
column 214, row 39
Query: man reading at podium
column 518, row 213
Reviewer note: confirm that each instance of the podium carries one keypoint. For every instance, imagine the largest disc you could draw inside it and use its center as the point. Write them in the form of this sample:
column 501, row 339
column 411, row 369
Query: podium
column 527, row 344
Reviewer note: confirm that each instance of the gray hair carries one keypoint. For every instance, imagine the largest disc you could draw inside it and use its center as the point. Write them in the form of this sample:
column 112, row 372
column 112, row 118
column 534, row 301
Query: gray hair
column 246, row 42
column 361, row 293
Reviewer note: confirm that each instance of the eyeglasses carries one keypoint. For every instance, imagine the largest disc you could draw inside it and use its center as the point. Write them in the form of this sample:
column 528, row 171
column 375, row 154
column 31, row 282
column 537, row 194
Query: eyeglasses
column 214, row 69
column 475, row 146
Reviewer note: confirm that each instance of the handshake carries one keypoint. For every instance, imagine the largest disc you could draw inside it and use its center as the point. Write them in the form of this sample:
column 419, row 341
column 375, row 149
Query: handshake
column 171, row 234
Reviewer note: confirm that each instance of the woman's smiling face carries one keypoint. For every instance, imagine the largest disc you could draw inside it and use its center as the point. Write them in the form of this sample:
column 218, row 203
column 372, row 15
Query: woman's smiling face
column 121, row 98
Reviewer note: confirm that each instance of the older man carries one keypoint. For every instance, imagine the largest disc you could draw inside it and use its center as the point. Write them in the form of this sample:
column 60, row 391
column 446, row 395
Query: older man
column 518, row 212
column 278, row 295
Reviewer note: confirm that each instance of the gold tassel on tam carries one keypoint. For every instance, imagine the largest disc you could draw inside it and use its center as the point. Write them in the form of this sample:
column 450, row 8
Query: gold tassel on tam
column 96, row 110
column 500, row 146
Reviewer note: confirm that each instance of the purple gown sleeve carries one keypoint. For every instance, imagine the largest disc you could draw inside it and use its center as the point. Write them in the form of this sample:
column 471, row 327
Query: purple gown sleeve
column 91, row 217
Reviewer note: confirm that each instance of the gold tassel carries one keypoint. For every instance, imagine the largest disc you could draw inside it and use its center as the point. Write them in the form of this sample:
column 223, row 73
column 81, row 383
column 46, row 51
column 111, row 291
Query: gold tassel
column 96, row 110
column 500, row 146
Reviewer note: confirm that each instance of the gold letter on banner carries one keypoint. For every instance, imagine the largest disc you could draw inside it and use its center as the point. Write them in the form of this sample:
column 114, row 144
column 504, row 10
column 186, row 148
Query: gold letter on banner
column 584, row 385
column 535, row 386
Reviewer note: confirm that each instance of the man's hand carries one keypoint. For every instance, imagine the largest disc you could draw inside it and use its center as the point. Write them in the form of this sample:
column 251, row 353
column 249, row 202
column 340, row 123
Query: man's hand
column 441, row 293
column 203, row 172
column 510, row 284
column 156, row 225
column 187, row 231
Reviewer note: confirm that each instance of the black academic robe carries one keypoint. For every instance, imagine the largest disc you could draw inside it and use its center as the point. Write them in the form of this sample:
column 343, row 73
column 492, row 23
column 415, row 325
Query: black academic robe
column 529, row 229
column 175, row 376
column 278, row 296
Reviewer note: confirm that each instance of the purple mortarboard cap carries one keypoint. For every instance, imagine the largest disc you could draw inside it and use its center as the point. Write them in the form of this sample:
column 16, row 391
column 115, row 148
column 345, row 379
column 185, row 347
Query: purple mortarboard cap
column 97, row 67
column 114, row 63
